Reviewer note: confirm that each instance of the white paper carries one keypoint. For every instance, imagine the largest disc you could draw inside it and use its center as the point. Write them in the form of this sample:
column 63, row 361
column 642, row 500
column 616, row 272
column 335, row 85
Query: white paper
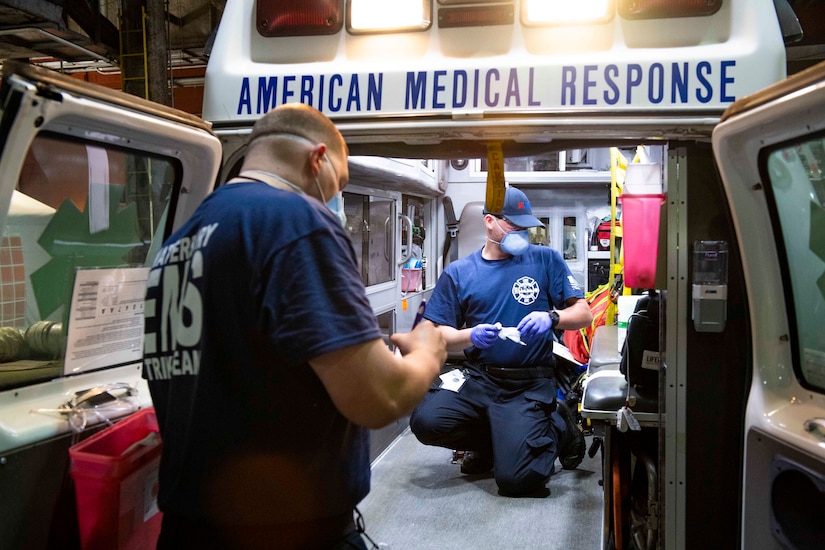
column 106, row 319
column 452, row 380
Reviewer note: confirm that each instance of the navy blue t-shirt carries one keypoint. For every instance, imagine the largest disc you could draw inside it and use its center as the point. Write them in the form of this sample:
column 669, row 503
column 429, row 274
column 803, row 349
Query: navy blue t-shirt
column 473, row 290
column 255, row 284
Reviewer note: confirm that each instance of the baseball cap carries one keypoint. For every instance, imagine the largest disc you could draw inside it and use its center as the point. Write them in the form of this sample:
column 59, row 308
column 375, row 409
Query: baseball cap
column 516, row 209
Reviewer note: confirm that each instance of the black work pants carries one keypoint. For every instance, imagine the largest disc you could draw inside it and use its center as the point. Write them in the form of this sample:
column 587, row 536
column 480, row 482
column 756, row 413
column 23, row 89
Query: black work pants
column 514, row 420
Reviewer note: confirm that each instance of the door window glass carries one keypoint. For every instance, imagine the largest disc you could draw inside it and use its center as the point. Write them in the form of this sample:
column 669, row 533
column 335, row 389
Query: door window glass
column 76, row 206
column 797, row 186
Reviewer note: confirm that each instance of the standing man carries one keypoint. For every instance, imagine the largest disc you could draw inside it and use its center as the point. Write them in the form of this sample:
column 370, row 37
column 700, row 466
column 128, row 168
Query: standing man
column 263, row 356
column 502, row 406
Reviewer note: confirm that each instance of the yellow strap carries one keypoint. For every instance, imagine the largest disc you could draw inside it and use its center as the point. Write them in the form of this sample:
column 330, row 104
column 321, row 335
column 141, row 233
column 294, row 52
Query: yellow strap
column 494, row 201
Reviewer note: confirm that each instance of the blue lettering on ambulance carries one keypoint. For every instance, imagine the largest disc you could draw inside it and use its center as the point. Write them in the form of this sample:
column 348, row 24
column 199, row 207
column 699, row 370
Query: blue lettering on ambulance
column 568, row 85
column 531, row 101
column 307, row 85
column 656, row 83
column 459, row 83
column 724, row 80
column 267, row 87
column 415, row 90
column 354, row 95
column 512, row 89
column 589, row 83
column 491, row 101
column 287, row 92
column 438, row 88
column 702, row 69
column 312, row 91
column 610, row 72
column 374, row 92
column 700, row 82
column 679, row 82
column 592, row 85
column 334, row 101
column 475, row 88
column 634, row 78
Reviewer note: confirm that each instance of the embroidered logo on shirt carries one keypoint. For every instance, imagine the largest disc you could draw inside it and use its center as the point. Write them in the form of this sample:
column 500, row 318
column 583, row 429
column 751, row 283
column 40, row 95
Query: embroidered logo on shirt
column 526, row 290
column 573, row 282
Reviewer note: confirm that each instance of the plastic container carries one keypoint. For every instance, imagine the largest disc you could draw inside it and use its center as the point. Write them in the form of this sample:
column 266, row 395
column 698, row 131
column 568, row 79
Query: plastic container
column 643, row 179
column 410, row 279
column 116, row 479
column 640, row 226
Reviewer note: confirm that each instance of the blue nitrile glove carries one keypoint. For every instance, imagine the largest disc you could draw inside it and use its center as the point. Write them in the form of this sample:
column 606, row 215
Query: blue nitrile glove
column 484, row 335
column 534, row 323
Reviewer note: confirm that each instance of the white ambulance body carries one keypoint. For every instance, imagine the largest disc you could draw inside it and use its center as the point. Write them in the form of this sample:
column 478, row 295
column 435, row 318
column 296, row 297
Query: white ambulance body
column 730, row 450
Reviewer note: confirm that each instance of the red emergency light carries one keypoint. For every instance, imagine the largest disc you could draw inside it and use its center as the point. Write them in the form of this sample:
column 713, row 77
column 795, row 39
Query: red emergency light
column 298, row 17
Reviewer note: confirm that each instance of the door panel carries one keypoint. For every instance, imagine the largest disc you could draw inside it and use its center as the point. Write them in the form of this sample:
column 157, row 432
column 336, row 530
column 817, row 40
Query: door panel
column 769, row 151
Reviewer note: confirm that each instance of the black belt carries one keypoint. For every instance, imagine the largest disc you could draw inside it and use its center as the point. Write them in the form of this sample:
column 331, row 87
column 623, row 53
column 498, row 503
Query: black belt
column 523, row 373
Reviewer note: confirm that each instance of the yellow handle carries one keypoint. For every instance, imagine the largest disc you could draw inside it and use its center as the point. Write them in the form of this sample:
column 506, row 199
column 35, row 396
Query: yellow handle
column 494, row 200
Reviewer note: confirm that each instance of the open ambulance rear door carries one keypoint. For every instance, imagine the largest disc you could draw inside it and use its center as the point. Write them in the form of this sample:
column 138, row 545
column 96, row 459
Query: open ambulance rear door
column 91, row 182
column 770, row 149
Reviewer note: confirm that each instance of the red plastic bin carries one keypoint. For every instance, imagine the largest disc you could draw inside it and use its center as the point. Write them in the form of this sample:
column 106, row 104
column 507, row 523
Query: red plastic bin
column 116, row 480
column 640, row 222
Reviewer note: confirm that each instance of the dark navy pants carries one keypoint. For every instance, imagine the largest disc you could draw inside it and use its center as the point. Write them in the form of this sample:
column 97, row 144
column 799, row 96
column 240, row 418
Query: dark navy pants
column 515, row 420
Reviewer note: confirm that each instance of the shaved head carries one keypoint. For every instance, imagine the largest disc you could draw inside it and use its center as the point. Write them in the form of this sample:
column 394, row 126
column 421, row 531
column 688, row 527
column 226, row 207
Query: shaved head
column 297, row 119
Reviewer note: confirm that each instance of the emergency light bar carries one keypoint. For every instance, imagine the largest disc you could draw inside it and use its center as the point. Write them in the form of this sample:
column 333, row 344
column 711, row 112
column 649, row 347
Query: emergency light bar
column 324, row 17
column 376, row 16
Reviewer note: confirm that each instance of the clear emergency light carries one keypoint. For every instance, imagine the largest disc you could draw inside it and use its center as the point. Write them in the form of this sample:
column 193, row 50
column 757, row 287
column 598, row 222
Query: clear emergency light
column 377, row 16
column 565, row 12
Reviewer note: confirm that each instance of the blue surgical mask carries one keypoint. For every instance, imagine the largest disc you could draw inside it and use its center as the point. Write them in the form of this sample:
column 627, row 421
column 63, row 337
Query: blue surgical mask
column 336, row 203
column 514, row 242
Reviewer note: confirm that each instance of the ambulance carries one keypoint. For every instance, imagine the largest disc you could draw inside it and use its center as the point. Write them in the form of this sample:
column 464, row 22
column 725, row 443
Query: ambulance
column 672, row 122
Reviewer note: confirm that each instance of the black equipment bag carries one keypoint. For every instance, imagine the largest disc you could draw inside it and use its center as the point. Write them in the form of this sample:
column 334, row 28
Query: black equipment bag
column 641, row 346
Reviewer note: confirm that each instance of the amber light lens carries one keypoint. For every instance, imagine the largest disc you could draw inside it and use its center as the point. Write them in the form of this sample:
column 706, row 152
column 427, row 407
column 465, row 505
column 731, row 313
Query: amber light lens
column 661, row 9
column 476, row 16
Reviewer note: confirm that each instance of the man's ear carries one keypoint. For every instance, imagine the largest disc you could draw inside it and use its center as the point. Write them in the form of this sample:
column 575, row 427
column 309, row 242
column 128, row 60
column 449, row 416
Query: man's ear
column 317, row 155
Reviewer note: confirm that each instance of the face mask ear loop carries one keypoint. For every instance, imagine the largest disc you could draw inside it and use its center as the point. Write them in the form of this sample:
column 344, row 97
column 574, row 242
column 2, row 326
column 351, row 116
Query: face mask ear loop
column 500, row 229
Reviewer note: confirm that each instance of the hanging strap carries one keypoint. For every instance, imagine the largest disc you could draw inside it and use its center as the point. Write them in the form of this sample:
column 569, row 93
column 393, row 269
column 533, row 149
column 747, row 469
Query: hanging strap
column 450, row 244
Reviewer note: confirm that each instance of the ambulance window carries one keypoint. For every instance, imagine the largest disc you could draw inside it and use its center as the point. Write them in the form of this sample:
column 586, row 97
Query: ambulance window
column 570, row 246
column 797, row 186
column 546, row 162
column 540, row 235
column 77, row 207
